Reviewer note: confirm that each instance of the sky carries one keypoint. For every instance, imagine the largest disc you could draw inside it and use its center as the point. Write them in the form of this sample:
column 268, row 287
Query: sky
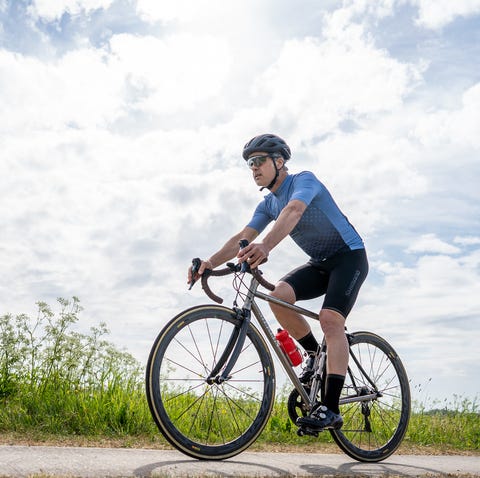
column 123, row 123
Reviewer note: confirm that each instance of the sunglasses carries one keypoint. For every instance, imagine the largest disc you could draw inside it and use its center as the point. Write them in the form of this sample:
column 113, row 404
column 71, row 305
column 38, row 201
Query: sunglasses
column 256, row 161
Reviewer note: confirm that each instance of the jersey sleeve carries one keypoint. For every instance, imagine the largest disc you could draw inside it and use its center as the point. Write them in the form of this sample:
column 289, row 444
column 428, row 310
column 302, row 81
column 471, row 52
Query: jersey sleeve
column 260, row 219
column 306, row 186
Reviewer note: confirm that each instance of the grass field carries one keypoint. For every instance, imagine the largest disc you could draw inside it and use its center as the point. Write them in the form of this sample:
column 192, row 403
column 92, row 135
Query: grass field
column 59, row 386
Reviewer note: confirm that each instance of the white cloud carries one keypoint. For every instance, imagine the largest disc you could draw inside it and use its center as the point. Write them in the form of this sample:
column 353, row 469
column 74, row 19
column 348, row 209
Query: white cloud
column 370, row 172
column 430, row 243
column 428, row 312
column 453, row 128
column 214, row 13
column 467, row 240
column 171, row 74
column 54, row 9
column 80, row 89
column 363, row 9
column 316, row 83
column 435, row 289
column 436, row 14
column 168, row 10
column 95, row 87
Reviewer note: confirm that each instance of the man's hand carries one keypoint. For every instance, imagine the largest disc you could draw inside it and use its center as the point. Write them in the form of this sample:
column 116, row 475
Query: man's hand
column 193, row 277
column 254, row 254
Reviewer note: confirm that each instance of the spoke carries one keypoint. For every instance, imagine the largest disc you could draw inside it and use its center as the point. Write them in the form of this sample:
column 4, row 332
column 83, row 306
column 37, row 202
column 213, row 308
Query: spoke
column 246, row 347
column 178, row 364
column 233, row 414
column 190, row 352
column 200, row 398
column 214, row 347
column 388, row 383
column 231, row 400
column 397, row 395
column 379, row 375
column 184, row 392
column 200, row 358
column 243, row 392
column 220, row 427
column 209, row 428
column 236, row 372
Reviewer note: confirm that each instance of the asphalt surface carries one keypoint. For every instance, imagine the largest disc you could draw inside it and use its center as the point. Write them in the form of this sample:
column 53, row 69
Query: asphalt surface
column 25, row 461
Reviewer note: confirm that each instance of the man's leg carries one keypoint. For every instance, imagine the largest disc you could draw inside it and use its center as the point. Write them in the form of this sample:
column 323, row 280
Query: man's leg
column 327, row 415
column 346, row 274
column 333, row 326
column 296, row 325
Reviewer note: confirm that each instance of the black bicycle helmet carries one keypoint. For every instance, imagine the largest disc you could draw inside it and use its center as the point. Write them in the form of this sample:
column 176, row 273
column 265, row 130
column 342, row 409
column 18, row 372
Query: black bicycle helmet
column 267, row 143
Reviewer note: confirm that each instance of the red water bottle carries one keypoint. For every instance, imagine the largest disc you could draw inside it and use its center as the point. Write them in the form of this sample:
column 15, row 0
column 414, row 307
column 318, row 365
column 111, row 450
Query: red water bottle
column 288, row 346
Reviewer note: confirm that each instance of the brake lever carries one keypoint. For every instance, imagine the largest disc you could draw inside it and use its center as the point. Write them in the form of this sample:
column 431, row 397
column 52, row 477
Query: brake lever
column 233, row 267
column 196, row 263
column 245, row 266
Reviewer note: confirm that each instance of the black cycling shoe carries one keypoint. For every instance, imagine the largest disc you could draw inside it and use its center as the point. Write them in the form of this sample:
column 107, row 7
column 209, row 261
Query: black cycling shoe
column 321, row 419
column 308, row 371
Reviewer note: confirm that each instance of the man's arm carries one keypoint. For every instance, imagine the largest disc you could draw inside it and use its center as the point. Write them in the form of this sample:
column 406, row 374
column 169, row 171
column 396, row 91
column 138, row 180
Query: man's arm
column 230, row 249
column 226, row 253
column 256, row 253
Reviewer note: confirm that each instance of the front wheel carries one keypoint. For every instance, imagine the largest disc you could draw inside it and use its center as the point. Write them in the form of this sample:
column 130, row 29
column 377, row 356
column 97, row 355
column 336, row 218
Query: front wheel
column 373, row 428
column 202, row 419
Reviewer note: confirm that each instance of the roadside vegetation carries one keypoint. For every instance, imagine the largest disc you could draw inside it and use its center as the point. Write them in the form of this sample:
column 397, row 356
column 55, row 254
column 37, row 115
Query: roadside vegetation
column 61, row 386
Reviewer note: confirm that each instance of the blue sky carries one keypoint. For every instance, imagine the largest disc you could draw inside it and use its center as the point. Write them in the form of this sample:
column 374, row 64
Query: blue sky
column 123, row 124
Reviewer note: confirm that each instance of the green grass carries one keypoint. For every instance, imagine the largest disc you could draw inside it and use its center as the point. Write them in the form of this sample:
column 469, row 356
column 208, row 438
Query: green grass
column 55, row 382
column 455, row 423
column 456, row 426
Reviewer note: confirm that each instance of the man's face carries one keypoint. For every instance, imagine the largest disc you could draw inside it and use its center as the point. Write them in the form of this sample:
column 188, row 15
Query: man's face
column 263, row 169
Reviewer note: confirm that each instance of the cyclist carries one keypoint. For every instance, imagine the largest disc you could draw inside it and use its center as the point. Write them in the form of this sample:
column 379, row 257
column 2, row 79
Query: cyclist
column 302, row 207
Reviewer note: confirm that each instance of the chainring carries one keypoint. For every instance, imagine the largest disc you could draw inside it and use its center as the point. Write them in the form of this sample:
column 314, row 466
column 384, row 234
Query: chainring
column 296, row 406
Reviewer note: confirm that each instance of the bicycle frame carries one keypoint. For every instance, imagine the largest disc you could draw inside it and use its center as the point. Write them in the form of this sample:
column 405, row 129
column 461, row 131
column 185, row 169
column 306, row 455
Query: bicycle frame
column 287, row 366
column 236, row 342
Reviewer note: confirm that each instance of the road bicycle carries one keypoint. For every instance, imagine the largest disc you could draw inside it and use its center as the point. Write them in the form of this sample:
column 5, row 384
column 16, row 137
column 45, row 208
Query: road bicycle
column 210, row 379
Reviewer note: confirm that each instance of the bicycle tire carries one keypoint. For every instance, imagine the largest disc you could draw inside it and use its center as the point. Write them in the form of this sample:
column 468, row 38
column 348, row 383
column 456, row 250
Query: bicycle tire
column 374, row 429
column 208, row 421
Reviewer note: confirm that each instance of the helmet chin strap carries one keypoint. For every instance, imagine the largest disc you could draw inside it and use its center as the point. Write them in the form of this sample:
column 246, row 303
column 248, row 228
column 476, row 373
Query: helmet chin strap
column 274, row 180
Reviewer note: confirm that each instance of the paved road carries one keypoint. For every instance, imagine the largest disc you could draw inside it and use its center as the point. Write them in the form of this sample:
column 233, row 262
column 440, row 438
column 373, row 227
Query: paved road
column 24, row 461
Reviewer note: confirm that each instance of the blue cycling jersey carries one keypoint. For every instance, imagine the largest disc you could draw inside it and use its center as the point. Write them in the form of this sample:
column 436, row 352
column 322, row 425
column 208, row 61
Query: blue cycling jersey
column 323, row 230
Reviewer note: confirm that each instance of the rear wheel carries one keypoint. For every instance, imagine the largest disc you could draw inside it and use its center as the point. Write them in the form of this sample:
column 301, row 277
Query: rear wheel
column 373, row 429
column 202, row 419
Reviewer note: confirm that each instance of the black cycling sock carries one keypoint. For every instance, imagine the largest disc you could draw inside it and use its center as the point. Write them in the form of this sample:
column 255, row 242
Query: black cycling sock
column 333, row 391
column 309, row 343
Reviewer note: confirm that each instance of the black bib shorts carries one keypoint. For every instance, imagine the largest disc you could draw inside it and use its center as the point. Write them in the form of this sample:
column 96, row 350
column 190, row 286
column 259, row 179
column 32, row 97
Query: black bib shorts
column 339, row 277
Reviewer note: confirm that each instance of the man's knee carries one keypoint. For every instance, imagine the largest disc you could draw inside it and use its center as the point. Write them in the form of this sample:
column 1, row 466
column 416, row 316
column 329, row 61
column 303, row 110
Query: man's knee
column 331, row 321
column 284, row 291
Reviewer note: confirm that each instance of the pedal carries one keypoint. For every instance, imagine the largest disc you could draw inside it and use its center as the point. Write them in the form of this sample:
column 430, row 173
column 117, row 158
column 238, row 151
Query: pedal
column 302, row 431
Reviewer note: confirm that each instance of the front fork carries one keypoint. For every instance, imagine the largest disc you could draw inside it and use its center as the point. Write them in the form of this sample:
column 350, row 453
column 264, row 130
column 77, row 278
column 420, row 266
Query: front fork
column 232, row 350
column 236, row 342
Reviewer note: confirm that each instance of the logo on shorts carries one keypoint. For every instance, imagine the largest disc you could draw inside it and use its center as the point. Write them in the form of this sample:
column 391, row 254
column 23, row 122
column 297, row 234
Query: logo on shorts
column 352, row 284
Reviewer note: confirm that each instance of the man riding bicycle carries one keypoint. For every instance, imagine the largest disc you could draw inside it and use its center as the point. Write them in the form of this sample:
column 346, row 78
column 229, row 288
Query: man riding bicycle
column 302, row 207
